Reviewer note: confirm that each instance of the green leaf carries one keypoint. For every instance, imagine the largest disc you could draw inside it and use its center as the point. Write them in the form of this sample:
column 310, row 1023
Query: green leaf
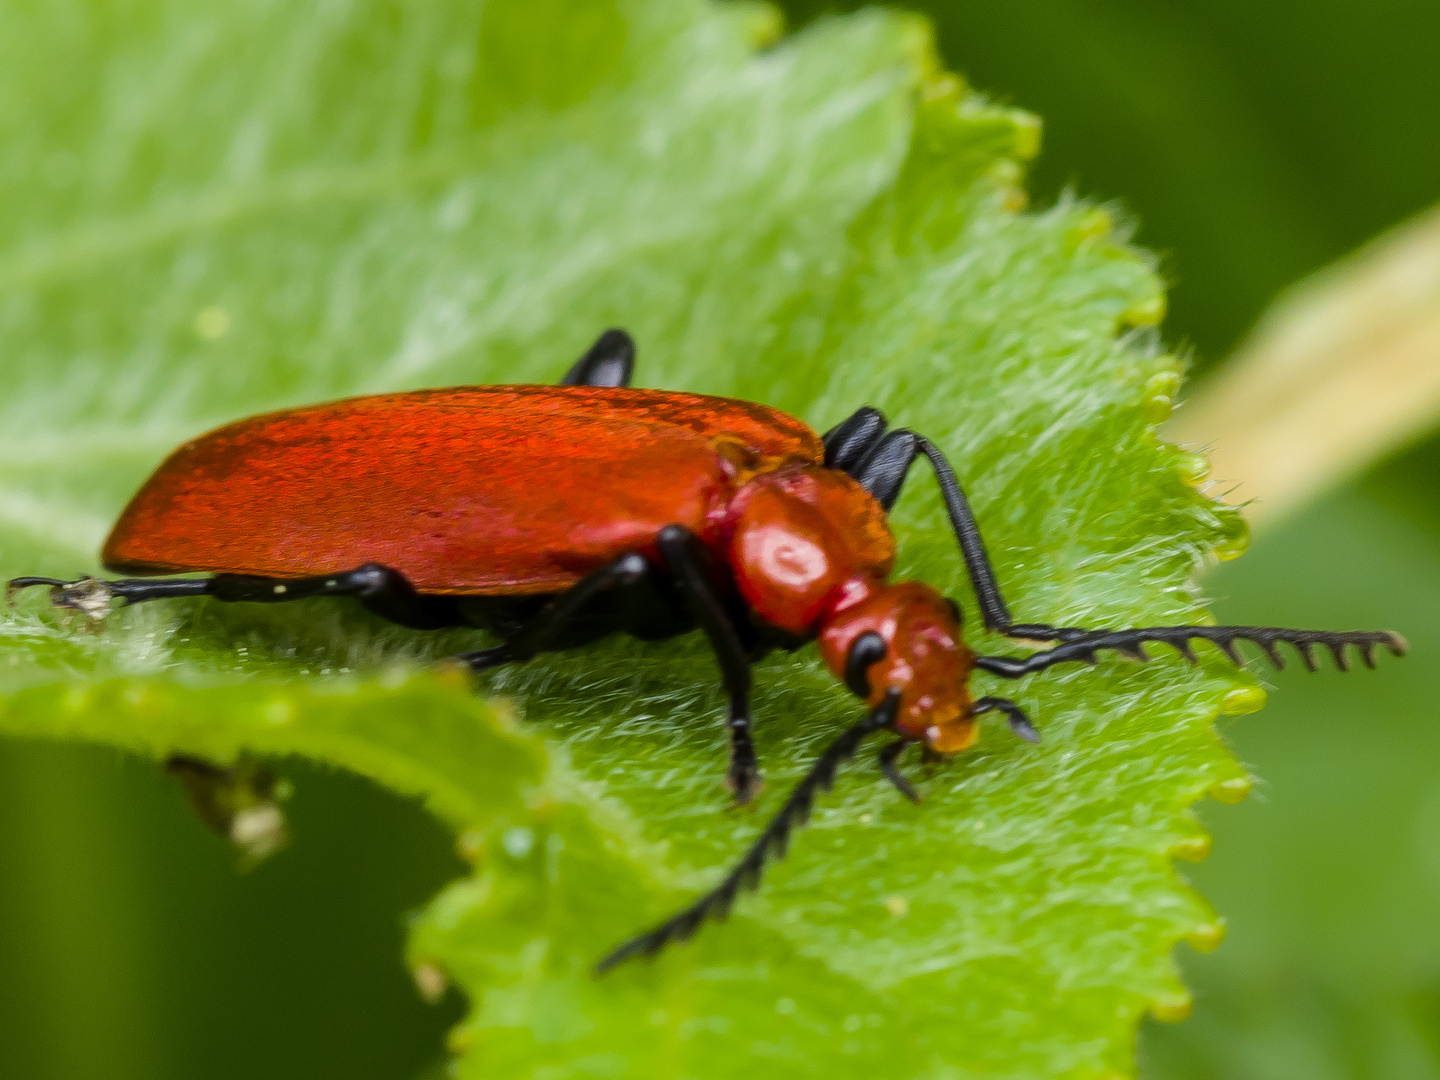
column 210, row 211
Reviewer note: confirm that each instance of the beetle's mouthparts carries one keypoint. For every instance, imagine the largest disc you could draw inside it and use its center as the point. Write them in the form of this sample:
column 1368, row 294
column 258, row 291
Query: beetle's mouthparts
column 952, row 736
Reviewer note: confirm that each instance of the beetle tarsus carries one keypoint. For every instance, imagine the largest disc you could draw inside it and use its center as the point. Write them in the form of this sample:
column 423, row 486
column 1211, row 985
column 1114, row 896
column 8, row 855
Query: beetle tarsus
column 743, row 777
column 1019, row 723
column 15, row 585
column 889, row 765
column 744, row 781
column 771, row 843
column 88, row 595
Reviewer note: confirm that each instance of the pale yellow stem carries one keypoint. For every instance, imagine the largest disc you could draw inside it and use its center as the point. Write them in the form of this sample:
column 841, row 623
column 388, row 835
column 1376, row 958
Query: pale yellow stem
column 1343, row 369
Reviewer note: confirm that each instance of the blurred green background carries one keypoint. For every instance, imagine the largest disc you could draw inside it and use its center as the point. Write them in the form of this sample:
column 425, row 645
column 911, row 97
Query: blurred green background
column 1252, row 143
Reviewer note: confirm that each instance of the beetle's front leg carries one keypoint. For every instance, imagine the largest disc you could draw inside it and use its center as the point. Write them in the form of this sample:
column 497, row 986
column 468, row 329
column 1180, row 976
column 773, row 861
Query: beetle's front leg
column 687, row 561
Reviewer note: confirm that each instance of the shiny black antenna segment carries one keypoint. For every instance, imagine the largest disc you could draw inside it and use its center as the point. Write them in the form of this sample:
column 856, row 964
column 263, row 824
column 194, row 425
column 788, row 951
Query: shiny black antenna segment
column 772, row 843
column 1083, row 648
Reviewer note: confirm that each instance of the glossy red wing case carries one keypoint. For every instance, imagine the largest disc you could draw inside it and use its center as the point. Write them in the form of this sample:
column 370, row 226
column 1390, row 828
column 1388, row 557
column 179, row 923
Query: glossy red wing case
column 473, row 490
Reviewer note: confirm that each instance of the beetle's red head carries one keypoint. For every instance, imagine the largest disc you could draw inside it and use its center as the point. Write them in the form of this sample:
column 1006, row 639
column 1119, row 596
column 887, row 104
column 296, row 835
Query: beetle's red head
column 923, row 657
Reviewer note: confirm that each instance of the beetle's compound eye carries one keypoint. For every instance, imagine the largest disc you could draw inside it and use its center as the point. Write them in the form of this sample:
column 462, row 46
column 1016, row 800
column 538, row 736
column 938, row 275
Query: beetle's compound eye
column 865, row 650
column 955, row 610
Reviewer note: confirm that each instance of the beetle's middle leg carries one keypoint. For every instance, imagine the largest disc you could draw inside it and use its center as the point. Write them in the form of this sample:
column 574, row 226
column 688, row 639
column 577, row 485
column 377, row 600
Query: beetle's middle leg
column 686, row 561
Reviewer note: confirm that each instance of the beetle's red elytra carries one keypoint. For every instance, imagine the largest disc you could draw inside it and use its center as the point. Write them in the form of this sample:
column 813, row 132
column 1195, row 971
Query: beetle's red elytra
column 555, row 515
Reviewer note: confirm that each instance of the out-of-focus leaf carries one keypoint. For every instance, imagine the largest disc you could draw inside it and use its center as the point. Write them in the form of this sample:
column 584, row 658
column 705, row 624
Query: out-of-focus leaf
column 1341, row 371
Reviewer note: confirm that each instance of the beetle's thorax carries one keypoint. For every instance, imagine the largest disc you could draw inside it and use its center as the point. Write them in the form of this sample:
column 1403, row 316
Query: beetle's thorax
column 796, row 535
column 811, row 550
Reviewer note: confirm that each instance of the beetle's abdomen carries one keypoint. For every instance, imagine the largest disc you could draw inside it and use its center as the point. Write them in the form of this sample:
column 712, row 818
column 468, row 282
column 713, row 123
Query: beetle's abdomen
column 485, row 491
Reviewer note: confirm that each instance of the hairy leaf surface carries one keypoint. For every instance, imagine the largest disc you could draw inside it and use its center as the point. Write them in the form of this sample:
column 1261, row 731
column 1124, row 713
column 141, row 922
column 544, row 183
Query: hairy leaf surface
column 211, row 211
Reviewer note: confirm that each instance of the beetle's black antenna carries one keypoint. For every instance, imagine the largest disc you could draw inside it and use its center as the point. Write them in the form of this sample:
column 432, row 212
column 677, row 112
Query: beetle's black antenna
column 772, row 842
column 1130, row 643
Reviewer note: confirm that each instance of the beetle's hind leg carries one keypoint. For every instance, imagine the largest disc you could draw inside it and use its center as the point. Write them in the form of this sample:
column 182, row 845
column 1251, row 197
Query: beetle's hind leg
column 92, row 596
column 382, row 590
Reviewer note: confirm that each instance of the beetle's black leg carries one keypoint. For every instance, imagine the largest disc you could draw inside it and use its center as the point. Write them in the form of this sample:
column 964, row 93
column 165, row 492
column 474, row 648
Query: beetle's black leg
column 1130, row 643
column 882, row 472
column 1019, row 722
column 91, row 596
column 687, row 561
column 540, row 631
column 382, row 590
column 610, row 362
column 889, row 766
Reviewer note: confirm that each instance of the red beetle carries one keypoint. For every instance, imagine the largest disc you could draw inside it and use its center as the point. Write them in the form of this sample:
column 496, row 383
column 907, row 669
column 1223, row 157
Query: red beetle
column 555, row 515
